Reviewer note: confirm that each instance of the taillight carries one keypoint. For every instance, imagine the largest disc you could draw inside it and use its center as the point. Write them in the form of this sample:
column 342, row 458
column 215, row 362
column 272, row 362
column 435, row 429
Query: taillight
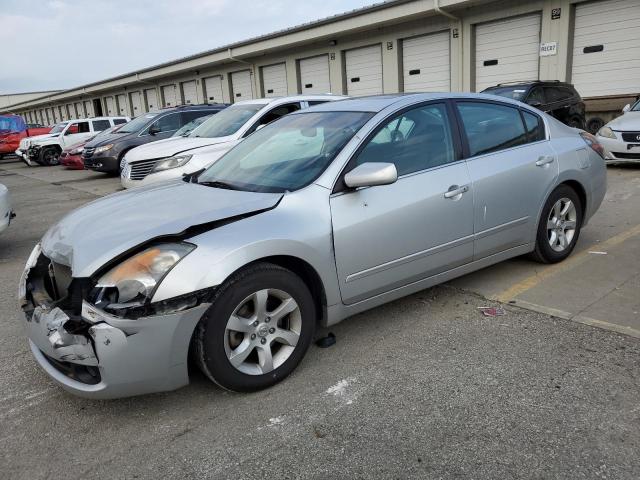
column 593, row 143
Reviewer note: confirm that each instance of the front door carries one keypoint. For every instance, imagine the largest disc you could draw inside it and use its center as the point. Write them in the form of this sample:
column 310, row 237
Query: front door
column 512, row 171
column 389, row 236
column 75, row 132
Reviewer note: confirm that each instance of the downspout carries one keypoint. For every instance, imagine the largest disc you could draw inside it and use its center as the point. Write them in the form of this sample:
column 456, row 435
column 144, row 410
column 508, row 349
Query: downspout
column 439, row 11
column 253, row 77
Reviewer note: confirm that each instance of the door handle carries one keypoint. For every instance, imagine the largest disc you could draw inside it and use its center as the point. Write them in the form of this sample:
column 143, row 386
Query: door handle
column 544, row 160
column 455, row 190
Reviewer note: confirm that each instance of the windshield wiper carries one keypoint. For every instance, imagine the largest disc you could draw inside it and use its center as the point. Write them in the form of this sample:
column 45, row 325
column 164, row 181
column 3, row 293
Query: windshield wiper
column 219, row 184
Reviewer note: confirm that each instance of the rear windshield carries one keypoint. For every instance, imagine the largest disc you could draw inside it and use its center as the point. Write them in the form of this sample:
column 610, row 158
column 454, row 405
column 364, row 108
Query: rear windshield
column 138, row 123
column 12, row 123
column 514, row 93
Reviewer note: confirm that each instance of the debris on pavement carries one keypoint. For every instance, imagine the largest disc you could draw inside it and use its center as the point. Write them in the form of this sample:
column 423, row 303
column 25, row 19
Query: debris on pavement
column 492, row 311
column 597, row 253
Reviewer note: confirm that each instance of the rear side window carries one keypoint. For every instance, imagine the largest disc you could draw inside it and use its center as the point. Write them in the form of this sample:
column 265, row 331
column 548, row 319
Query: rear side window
column 555, row 94
column 100, row 125
column 491, row 127
column 535, row 127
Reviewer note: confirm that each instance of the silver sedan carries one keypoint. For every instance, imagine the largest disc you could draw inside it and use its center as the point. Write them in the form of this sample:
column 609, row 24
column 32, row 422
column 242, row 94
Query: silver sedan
column 323, row 214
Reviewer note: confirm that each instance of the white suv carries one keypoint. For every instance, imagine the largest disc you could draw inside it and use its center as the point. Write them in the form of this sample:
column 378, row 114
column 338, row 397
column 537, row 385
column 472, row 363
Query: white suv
column 171, row 158
column 46, row 149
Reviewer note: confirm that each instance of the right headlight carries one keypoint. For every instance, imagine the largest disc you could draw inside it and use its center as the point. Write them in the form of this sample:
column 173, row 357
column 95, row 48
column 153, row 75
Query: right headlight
column 133, row 282
column 606, row 132
column 171, row 162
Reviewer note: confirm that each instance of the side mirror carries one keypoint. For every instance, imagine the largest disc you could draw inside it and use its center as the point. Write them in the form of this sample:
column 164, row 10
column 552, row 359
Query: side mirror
column 154, row 130
column 371, row 174
column 626, row 108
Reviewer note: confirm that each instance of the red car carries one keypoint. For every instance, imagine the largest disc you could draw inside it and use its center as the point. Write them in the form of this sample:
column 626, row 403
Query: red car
column 12, row 130
column 71, row 157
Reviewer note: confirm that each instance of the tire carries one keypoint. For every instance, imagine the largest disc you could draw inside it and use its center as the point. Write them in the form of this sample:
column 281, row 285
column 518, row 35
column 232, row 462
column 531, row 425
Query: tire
column 236, row 305
column 576, row 122
column 49, row 156
column 552, row 227
column 594, row 124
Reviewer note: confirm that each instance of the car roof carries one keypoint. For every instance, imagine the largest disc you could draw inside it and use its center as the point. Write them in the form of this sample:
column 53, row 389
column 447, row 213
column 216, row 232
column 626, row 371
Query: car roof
column 92, row 118
column 187, row 107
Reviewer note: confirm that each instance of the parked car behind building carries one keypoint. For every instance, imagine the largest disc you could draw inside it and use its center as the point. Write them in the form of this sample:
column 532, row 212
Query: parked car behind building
column 325, row 213
column 171, row 158
column 106, row 153
column 559, row 99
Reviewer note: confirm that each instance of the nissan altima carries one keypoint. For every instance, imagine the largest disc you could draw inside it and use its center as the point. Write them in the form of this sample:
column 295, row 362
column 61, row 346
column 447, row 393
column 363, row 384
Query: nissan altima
column 322, row 214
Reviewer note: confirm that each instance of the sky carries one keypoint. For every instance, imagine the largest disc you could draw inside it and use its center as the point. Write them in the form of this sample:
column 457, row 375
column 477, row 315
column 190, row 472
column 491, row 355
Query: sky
column 60, row 44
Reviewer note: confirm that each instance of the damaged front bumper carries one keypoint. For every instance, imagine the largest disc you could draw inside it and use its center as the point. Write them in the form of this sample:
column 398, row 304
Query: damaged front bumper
column 98, row 355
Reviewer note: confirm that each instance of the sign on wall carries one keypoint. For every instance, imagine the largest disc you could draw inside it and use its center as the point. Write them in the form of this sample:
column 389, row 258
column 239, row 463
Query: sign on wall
column 548, row 48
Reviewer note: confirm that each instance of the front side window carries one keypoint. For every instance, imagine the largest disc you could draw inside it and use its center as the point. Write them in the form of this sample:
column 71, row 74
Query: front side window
column 100, row 125
column 535, row 126
column 287, row 155
column 536, row 97
column 491, row 127
column 228, row 121
column 138, row 123
column 416, row 140
column 78, row 127
column 274, row 114
column 168, row 123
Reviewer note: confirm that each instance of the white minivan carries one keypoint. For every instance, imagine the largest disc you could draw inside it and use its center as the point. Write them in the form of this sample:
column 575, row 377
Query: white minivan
column 171, row 158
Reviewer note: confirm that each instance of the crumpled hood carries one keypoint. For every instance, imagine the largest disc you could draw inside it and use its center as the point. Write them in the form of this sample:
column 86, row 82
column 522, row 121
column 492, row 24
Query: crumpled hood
column 630, row 121
column 172, row 146
column 92, row 235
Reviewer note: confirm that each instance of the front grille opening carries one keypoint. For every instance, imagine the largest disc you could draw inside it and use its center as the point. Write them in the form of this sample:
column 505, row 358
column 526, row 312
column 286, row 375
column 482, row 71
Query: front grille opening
column 82, row 373
column 140, row 170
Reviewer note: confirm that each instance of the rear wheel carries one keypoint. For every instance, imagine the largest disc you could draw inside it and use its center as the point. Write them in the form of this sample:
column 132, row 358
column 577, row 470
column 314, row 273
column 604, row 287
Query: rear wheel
column 559, row 226
column 576, row 122
column 257, row 330
column 49, row 156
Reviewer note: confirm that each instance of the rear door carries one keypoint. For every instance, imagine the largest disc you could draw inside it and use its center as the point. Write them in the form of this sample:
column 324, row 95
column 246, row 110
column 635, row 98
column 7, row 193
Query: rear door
column 386, row 237
column 512, row 171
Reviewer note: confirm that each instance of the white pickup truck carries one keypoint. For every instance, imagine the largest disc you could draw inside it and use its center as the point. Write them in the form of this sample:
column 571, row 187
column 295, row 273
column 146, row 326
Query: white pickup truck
column 46, row 149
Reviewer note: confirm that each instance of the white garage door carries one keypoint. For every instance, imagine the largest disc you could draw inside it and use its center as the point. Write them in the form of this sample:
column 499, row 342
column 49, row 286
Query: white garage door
column 61, row 113
column 152, row 99
column 169, row 96
column 606, row 48
column 364, row 71
column 70, row 111
column 136, row 103
column 507, row 51
column 314, row 74
column 426, row 63
column 242, row 86
column 189, row 93
column 213, row 89
column 274, row 80
column 123, row 109
column 43, row 118
column 79, row 111
column 88, row 108
column 110, row 106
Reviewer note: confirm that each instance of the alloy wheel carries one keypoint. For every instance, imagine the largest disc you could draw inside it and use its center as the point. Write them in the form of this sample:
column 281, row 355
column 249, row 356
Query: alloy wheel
column 262, row 332
column 561, row 224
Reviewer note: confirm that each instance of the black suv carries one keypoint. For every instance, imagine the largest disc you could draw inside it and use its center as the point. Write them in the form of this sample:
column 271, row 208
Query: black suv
column 105, row 154
column 558, row 99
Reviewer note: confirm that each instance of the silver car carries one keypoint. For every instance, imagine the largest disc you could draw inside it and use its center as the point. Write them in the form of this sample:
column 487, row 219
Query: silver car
column 323, row 214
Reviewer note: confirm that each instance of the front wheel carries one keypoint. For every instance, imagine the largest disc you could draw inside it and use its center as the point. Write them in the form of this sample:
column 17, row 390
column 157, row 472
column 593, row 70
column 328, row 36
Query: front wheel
column 257, row 330
column 559, row 226
column 49, row 156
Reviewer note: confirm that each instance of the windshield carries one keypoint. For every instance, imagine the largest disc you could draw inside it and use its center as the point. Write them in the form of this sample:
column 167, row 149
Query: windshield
column 228, row 121
column 287, row 154
column 138, row 123
column 515, row 93
column 636, row 107
column 190, row 127
column 12, row 123
column 58, row 128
